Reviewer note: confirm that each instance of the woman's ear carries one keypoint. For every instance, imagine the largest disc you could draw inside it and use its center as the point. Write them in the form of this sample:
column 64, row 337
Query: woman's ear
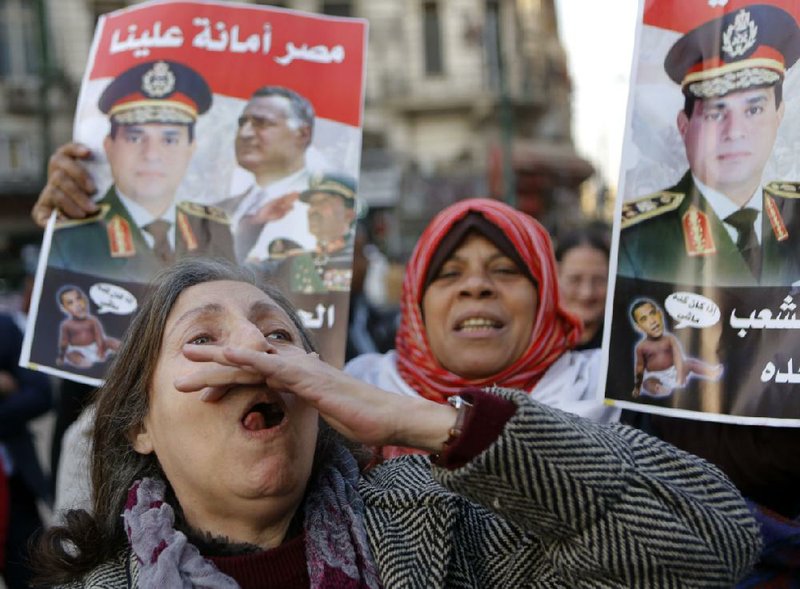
column 140, row 439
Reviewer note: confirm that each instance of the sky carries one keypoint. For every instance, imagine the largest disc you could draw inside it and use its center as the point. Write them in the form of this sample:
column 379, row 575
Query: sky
column 599, row 37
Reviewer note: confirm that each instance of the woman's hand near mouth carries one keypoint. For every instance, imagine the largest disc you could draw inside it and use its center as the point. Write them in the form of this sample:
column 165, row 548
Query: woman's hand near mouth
column 358, row 411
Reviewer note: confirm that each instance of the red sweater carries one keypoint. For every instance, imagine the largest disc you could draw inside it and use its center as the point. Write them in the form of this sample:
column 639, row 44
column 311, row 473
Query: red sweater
column 281, row 567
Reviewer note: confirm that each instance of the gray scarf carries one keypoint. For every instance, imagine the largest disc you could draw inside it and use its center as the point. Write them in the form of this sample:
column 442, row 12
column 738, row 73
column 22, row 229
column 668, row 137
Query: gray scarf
column 337, row 549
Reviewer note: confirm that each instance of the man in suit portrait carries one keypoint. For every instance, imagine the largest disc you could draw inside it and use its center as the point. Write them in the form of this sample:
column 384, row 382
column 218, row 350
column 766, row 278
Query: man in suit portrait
column 274, row 133
column 721, row 224
column 139, row 228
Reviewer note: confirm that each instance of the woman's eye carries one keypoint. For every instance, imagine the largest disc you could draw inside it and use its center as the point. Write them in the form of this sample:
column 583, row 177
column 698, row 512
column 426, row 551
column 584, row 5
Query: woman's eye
column 279, row 334
column 507, row 270
column 447, row 273
column 200, row 340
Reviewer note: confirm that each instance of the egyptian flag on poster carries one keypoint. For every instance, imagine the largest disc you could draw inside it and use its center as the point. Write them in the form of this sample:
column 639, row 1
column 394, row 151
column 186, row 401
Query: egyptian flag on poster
column 705, row 274
column 217, row 130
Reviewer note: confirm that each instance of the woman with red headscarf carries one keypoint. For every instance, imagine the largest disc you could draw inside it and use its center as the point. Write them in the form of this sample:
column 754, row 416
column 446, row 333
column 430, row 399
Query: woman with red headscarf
column 481, row 307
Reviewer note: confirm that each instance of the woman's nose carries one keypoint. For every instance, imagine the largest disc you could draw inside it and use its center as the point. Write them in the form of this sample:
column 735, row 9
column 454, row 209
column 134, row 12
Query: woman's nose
column 477, row 284
column 248, row 335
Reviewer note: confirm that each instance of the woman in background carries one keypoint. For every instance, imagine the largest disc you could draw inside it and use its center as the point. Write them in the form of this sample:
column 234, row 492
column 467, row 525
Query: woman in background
column 582, row 257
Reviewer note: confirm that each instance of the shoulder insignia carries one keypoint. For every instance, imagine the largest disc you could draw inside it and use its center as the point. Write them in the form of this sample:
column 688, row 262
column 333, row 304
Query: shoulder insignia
column 195, row 209
column 98, row 216
column 636, row 211
column 697, row 233
column 120, row 238
column 783, row 189
column 775, row 218
column 187, row 233
column 282, row 247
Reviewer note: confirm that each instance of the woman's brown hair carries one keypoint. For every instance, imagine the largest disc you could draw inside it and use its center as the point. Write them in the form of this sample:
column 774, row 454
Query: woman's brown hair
column 86, row 540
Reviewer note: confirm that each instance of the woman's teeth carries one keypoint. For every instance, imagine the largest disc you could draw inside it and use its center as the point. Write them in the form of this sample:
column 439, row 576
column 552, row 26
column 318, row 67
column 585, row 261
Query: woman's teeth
column 476, row 323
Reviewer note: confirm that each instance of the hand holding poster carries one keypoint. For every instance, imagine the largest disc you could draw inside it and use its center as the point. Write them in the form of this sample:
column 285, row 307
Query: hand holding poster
column 216, row 130
column 708, row 228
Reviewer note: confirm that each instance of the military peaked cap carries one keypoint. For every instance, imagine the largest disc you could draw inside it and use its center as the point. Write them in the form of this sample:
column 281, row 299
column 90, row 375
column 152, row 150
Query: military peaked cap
column 156, row 92
column 338, row 184
column 749, row 47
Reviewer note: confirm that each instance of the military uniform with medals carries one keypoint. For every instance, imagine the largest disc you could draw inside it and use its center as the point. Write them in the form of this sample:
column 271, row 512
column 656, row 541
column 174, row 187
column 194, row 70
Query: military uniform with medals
column 111, row 245
column 675, row 236
column 319, row 272
column 329, row 266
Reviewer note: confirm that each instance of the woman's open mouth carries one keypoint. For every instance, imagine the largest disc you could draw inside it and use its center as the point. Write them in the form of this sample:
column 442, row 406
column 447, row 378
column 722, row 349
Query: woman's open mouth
column 263, row 416
column 478, row 324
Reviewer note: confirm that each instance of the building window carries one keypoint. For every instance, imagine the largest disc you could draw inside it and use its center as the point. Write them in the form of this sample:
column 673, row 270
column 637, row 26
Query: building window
column 19, row 39
column 432, row 30
column 20, row 157
column 337, row 8
column 491, row 42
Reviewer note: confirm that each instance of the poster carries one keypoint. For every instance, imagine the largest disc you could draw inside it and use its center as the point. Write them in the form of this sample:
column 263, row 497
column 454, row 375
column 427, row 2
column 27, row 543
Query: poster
column 220, row 130
column 706, row 261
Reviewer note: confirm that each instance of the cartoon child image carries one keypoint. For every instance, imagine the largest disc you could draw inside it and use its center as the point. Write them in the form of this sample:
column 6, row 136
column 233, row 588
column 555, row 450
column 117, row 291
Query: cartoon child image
column 81, row 339
column 661, row 366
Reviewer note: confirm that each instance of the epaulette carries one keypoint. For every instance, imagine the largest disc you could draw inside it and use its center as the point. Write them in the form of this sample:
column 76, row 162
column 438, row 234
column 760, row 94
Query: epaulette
column 98, row 216
column 636, row 211
column 288, row 254
column 196, row 209
column 783, row 189
column 282, row 248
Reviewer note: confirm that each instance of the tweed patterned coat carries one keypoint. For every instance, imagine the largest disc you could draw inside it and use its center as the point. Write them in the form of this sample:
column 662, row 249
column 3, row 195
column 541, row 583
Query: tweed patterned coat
column 555, row 501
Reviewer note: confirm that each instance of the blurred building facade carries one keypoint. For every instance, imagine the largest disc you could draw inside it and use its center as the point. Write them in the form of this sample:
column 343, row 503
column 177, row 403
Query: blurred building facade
column 463, row 98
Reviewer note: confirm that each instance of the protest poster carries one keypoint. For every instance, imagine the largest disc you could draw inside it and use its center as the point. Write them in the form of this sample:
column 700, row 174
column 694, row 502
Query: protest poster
column 220, row 130
column 703, row 310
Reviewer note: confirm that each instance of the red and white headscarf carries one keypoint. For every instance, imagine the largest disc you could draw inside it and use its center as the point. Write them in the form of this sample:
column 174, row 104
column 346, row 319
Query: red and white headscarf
column 555, row 330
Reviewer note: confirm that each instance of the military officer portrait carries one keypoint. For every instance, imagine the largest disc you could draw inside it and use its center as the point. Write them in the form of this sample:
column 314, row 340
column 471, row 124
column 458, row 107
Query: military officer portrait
column 723, row 223
column 152, row 109
column 331, row 201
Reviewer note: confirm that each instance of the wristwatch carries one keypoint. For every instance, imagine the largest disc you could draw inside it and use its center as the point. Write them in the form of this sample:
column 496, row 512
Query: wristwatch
column 463, row 407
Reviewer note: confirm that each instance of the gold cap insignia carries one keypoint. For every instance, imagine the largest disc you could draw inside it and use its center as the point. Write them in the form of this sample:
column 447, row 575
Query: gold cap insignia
column 740, row 35
column 158, row 81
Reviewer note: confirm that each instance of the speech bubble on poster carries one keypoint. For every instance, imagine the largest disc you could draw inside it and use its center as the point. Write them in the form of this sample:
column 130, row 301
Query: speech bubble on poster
column 688, row 309
column 111, row 298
